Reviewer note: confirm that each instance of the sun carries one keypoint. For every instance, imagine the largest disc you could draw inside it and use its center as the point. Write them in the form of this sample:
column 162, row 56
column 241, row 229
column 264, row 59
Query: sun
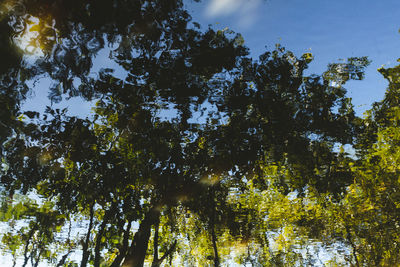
column 38, row 36
column 26, row 41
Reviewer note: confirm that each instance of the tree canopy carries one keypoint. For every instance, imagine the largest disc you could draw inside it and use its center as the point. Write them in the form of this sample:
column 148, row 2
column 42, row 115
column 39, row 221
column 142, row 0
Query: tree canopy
column 195, row 153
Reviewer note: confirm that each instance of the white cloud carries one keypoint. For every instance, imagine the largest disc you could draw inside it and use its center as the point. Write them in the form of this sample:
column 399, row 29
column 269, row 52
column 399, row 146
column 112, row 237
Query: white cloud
column 223, row 7
column 244, row 11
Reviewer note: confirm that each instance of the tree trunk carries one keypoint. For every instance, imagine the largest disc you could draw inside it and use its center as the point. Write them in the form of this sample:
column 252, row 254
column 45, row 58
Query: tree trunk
column 212, row 226
column 155, row 244
column 215, row 248
column 138, row 249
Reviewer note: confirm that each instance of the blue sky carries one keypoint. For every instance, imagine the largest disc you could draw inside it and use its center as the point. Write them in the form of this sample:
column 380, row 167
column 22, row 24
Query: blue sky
column 331, row 30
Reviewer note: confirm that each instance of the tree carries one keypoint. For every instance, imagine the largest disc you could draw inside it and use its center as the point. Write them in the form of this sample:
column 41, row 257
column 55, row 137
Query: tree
column 265, row 130
column 369, row 215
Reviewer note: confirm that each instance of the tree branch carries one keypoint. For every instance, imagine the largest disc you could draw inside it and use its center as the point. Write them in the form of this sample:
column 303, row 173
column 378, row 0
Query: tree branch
column 124, row 248
column 85, row 246
column 169, row 251
column 26, row 257
column 100, row 234
column 353, row 246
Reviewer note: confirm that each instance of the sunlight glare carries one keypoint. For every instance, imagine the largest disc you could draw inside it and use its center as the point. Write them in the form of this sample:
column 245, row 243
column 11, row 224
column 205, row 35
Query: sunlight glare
column 36, row 36
column 27, row 41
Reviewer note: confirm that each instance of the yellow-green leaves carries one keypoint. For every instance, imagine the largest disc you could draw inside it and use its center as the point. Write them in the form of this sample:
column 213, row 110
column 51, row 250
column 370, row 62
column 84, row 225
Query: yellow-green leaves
column 308, row 57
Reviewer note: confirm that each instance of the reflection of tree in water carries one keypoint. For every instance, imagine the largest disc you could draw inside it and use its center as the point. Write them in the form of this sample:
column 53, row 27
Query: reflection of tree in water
column 256, row 181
